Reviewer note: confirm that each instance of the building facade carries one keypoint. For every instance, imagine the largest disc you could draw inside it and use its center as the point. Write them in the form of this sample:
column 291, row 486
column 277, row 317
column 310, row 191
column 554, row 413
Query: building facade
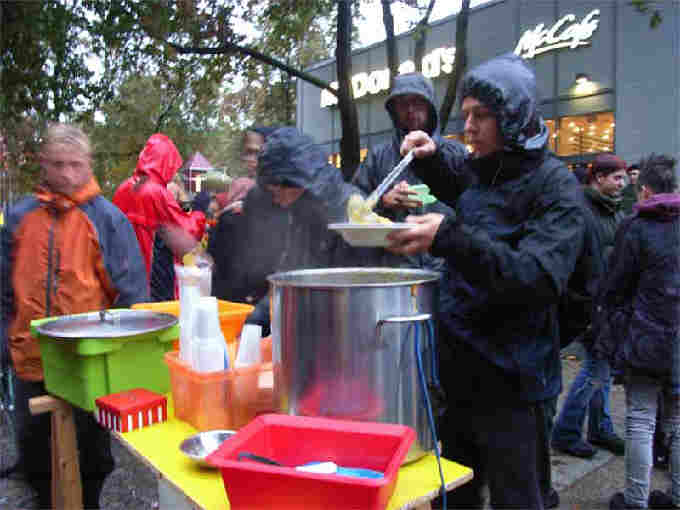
column 607, row 80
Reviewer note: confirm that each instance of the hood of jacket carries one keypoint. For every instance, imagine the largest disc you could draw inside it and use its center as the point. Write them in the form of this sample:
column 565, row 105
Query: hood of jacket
column 417, row 84
column 661, row 205
column 159, row 159
column 291, row 158
column 507, row 86
column 63, row 202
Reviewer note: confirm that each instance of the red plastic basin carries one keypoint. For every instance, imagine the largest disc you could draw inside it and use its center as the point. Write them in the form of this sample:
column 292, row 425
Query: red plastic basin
column 296, row 440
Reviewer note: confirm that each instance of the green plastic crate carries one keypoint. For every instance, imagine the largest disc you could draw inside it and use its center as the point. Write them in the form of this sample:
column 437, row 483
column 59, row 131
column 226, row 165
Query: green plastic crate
column 79, row 371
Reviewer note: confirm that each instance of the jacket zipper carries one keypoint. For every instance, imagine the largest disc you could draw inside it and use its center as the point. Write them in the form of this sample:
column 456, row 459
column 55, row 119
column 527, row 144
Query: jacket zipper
column 50, row 265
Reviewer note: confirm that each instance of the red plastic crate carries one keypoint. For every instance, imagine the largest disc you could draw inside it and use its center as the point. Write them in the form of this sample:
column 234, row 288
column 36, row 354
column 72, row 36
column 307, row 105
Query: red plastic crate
column 296, row 440
column 132, row 409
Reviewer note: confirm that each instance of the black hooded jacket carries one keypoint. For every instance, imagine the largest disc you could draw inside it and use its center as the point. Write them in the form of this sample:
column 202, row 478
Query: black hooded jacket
column 291, row 158
column 510, row 248
column 383, row 158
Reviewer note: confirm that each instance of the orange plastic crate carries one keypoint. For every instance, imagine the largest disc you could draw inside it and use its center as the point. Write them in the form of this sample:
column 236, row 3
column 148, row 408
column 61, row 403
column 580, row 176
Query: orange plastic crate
column 227, row 399
column 232, row 316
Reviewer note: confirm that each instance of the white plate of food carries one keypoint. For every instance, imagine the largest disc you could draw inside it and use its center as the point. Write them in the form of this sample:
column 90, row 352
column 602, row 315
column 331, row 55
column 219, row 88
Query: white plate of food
column 368, row 234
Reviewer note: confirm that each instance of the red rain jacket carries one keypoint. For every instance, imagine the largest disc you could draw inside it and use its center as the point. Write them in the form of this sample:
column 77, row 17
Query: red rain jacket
column 148, row 204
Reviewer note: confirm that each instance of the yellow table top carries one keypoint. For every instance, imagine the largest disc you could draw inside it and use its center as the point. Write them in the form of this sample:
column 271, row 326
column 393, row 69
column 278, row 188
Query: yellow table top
column 158, row 446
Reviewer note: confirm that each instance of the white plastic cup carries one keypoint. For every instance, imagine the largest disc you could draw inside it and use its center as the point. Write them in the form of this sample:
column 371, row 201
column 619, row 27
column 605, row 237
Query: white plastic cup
column 209, row 347
column 249, row 347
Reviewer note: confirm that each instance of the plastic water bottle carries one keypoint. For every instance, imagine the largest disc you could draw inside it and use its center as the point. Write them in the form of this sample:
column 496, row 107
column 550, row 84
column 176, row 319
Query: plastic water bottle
column 209, row 347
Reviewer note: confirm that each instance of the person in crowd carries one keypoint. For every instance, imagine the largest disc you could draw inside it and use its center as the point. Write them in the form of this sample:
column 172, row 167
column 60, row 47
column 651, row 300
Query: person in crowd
column 162, row 280
column 232, row 200
column 510, row 249
column 253, row 140
column 65, row 250
column 629, row 193
column 201, row 202
column 639, row 318
column 149, row 205
column 249, row 238
column 296, row 174
column 411, row 107
column 589, row 392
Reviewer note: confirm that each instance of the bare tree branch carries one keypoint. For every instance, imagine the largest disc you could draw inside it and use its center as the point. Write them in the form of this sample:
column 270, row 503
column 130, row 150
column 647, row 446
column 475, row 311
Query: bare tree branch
column 390, row 41
column 229, row 48
column 421, row 37
column 349, row 117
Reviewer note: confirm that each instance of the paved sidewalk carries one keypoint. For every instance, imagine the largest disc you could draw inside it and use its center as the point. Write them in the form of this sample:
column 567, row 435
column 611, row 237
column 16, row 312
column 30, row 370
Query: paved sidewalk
column 582, row 484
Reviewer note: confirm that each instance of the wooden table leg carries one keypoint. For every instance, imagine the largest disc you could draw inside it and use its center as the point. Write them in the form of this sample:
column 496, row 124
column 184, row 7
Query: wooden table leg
column 67, row 490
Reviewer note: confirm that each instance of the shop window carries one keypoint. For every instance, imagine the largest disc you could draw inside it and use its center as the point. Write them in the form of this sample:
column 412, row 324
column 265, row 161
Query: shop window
column 583, row 134
column 335, row 159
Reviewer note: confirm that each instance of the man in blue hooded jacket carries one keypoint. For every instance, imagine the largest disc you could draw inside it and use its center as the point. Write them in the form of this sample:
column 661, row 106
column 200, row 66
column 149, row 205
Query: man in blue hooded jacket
column 510, row 249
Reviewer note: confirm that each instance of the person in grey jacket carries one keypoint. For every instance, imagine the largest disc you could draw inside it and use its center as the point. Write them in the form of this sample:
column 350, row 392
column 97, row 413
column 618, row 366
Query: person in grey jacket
column 510, row 248
column 638, row 324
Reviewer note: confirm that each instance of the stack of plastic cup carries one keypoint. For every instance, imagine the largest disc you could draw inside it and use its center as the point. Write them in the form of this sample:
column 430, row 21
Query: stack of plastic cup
column 249, row 347
column 209, row 348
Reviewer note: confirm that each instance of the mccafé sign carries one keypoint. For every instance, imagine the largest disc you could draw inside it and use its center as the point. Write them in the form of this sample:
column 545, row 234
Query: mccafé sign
column 567, row 32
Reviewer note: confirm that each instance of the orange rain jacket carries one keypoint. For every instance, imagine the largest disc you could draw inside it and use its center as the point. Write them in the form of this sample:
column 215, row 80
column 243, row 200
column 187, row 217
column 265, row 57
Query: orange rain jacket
column 63, row 255
column 150, row 204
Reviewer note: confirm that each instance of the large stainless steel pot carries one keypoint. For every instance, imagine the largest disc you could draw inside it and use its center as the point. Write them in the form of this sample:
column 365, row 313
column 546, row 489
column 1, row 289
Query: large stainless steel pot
column 343, row 344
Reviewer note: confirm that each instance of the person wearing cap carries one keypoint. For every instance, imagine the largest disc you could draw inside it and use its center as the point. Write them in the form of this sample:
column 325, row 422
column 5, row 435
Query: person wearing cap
column 589, row 392
column 510, row 248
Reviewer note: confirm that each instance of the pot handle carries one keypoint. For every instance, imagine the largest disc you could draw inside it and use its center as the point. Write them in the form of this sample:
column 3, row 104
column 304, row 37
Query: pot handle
column 421, row 317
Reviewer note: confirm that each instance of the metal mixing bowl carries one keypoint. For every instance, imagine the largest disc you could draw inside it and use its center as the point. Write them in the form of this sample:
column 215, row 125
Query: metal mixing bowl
column 199, row 446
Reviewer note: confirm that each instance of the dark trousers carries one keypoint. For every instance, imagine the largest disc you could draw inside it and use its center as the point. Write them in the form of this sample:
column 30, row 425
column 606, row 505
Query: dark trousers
column 34, row 444
column 500, row 443
column 546, row 416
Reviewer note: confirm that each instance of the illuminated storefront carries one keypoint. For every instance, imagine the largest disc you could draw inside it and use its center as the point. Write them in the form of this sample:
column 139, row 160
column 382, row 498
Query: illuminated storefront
column 608, row 82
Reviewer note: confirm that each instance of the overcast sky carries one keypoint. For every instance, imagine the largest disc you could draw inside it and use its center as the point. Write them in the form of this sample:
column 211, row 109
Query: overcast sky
column 372, row 30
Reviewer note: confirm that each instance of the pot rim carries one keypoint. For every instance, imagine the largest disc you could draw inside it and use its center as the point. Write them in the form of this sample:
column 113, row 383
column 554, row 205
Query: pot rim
column 411, row 277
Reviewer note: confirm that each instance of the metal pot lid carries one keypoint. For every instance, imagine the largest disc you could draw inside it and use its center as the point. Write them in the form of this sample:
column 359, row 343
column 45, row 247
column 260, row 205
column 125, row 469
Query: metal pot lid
column 107, row 324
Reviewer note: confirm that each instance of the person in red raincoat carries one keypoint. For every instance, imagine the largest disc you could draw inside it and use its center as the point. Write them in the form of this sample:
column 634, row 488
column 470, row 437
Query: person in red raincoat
column 151, row 207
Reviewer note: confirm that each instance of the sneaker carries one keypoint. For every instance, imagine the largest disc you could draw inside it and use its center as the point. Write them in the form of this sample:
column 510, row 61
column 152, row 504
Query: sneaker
column 618, row 502
column 613, row 443
column 551, row 499
column 578, row 448
column 659, row 499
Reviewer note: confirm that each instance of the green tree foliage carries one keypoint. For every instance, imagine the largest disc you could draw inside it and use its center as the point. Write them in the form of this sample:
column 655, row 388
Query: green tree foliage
column 645, row 7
